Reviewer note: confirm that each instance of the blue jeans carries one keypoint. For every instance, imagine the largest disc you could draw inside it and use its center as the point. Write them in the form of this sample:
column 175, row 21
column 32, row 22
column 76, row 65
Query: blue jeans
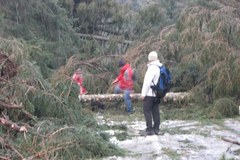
column 126, row 97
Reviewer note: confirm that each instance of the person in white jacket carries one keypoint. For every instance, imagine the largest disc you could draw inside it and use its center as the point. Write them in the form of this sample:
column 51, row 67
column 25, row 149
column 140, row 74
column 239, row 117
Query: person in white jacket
column 150, row 104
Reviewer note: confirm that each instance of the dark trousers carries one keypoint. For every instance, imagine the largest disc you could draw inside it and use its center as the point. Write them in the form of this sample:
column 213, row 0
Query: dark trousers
column 151, row 113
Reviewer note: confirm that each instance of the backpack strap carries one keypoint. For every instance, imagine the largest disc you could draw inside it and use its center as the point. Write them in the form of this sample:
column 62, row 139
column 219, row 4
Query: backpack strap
column 159, row 74
column 154, row 87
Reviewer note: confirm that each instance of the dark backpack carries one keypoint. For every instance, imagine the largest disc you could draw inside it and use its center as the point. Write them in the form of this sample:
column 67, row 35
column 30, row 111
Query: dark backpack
column 164, row 83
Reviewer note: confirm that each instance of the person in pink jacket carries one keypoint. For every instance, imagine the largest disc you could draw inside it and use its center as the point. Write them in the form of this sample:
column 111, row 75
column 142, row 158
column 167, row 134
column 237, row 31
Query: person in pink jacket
column 78, row 78
column 124, row 83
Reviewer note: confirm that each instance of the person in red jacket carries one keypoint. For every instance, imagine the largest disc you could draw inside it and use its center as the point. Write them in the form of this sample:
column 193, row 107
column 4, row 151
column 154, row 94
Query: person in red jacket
column 124, row 83
column 78, row 78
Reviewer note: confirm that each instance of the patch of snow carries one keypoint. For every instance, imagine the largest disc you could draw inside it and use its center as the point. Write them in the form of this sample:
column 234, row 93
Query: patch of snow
column 184, row 140
column 232, row 124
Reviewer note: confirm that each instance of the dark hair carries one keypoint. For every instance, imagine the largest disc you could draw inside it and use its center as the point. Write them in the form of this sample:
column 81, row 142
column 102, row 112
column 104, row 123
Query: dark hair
column 121, row 63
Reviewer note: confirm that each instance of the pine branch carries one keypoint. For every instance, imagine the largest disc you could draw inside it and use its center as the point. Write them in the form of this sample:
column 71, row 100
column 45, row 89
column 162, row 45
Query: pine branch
column 9, row 146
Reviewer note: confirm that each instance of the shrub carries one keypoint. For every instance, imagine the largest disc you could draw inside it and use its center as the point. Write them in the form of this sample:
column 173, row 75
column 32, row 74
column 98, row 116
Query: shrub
column 223, row 107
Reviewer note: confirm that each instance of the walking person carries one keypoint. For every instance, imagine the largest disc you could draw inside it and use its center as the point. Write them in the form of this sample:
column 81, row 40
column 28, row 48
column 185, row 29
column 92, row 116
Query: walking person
column 78, row 78
column 150, row 102
column 124, row 83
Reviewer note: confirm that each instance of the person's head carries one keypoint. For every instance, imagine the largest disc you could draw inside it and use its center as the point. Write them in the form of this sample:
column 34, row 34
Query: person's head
column 152, row 56
column 121, row 62
column 78, row 71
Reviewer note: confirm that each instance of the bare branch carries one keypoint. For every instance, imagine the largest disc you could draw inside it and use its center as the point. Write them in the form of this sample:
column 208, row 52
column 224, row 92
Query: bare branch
column 4, row 158
column 231, row 141
column 59, row 130
column 11, row 105
column 12, row 125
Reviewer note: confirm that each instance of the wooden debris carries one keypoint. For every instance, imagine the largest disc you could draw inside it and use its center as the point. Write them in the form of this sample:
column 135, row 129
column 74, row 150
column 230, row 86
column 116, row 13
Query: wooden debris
column 10, row 105
column 135, row 96
column 12, row 125
column 230, row 141
column 8, row 68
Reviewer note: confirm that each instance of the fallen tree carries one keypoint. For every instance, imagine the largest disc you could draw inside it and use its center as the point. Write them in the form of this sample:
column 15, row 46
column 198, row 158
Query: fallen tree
column 171, row 96
column 101, row 38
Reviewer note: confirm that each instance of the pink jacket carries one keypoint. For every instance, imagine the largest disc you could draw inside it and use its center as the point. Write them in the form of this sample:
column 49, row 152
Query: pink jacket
column 79, row 80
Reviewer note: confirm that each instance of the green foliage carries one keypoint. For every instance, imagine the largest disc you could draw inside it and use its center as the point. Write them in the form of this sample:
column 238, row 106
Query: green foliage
column 203, row 98
column 214, row 52
column 209, row 4
column 191, row 40
column 98, row 15
column 106, row 19
column 63, row 142
column 68, row 5
column 172, row 11
column 52, row 110
column 223, row 79
column 200, row 51
column 206, row 40
column 92, row 48
column 45, row 26
column 148, row 19
column 187, row 75
column 223, row 107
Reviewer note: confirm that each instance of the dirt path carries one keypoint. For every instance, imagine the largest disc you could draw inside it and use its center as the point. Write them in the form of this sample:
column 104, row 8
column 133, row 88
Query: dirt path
column 183, row 140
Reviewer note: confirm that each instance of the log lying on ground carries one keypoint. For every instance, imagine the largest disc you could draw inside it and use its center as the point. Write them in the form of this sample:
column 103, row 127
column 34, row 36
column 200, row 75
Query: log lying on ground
column 171, row 96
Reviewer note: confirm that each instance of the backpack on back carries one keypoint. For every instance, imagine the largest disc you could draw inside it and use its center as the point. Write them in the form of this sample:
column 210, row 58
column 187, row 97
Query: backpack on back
column 164, row 83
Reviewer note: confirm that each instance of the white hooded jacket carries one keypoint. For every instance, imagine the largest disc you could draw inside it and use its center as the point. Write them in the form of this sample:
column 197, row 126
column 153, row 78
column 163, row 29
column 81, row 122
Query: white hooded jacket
column 152, row 74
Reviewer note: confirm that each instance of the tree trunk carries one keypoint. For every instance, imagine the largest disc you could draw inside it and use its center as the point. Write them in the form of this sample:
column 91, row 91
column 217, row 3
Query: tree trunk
column 101, row 38
column 180, row 96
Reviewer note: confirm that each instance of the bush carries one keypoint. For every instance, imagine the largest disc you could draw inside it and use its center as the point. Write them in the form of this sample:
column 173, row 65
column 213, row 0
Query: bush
column 223, row 107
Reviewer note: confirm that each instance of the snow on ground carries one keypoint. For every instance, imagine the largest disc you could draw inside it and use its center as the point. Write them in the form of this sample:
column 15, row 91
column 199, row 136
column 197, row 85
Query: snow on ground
column 183, row 140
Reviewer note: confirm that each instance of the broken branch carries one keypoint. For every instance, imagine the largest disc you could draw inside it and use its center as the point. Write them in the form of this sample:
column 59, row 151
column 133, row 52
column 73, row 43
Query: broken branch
column 12, row 125
column 11, row 105
column 231, row 141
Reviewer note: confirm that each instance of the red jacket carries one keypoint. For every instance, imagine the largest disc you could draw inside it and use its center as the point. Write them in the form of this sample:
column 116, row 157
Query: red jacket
column 124, row 78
